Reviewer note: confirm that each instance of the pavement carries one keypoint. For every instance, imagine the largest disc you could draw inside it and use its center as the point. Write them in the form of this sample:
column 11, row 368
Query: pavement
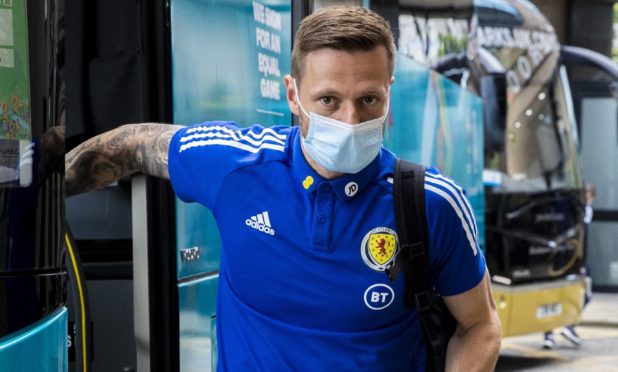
column 602, row 310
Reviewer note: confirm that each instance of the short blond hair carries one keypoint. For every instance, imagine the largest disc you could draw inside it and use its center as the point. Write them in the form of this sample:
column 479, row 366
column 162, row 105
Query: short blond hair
column 346, row 28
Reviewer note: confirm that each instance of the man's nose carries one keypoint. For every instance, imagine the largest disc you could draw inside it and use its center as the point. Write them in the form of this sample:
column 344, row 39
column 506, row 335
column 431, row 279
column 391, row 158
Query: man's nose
column 349, row 114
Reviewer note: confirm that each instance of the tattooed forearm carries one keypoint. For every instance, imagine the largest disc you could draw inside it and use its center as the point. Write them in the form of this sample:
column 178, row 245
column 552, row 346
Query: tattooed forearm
column 150, row 156
column 112, row 155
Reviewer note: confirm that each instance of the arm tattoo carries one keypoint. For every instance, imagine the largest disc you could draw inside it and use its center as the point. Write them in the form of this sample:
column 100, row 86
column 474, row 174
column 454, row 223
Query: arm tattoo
column 122, row 151
column 150, row 155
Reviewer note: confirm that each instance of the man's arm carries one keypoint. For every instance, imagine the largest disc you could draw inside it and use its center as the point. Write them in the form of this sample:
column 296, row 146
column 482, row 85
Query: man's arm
column 120, row 152
column 475, row 346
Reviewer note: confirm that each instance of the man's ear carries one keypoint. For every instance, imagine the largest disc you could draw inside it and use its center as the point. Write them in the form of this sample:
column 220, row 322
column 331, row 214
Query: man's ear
column 291, row 94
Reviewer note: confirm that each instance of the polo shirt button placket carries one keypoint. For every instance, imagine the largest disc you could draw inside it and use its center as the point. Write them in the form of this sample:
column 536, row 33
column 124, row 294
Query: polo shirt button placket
column 322, row 217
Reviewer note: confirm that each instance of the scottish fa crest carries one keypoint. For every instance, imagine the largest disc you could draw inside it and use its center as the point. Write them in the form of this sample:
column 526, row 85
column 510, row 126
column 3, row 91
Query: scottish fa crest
column 379, row 248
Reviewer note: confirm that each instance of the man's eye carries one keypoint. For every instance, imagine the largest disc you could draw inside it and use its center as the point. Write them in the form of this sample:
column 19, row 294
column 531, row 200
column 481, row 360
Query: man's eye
column 369, row 100
column 326, row 100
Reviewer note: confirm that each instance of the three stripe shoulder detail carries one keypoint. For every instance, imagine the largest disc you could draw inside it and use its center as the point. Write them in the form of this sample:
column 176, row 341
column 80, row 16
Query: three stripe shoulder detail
column 456, row 198
column 253, row 142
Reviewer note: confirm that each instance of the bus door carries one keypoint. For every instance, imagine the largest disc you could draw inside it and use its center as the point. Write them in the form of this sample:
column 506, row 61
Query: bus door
column 594, row 85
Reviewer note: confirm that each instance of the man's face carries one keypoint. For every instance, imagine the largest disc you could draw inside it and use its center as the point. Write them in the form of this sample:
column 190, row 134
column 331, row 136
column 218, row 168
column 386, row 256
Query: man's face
column 349, row 87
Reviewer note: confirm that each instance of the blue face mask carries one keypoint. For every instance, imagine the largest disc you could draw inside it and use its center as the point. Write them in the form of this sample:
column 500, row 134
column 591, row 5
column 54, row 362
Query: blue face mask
column 342, row 147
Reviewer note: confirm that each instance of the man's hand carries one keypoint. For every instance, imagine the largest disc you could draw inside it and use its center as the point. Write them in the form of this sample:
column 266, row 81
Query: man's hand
column 475, row 346
column 106, row 158
column 52, row 151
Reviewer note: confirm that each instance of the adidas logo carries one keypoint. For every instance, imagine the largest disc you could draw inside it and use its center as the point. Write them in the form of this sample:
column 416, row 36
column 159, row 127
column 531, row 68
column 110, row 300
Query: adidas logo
column 261, row 222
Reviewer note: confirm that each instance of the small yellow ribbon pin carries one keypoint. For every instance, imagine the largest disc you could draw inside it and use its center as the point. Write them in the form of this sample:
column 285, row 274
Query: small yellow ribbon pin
column 308, row 182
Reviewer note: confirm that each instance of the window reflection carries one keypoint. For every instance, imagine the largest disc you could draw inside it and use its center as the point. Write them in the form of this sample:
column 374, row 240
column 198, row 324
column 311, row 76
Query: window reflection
column 540, row 149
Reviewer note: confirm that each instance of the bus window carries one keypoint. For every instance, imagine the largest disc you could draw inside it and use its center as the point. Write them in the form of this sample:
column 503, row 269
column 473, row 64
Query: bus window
column 15, row 118
column 539, row 145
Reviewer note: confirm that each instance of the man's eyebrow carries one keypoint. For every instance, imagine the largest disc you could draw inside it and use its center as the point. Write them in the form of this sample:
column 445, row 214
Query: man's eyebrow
column 374, row 92
column 334, row 92
column 325, row 92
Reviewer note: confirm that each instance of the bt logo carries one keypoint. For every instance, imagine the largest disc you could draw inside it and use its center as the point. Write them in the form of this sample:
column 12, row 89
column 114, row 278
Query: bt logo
column 379, row 296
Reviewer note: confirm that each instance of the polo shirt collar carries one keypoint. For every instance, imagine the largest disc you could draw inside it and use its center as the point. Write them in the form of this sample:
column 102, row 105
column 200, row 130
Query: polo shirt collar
column 346, row 187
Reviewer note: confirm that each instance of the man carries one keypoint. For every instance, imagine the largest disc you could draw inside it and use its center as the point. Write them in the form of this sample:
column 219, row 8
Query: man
column 306, row 216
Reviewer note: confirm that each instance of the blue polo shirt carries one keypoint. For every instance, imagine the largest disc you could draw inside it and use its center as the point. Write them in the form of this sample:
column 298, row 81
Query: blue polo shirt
column 302, row 283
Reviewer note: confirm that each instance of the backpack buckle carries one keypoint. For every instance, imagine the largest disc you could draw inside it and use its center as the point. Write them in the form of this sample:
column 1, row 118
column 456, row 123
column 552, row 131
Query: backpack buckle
column 423, row 301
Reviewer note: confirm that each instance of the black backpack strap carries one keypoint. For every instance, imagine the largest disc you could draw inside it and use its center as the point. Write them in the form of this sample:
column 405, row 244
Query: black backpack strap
column 437, row 322
column 409, row 198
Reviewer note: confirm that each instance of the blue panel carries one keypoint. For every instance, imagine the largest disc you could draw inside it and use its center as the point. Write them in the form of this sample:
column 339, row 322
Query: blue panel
column 197, row 324
column 40, row 347
column 228, row 62
column 196, row 227
column 435, row 122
